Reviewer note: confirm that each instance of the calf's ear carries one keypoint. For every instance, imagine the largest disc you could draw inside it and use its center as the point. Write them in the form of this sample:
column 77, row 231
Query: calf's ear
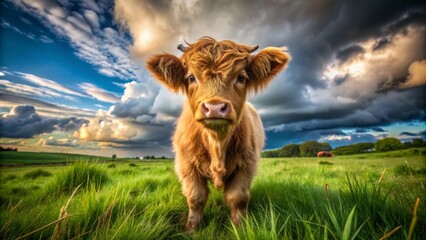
column 168, row 70
column 265, row 65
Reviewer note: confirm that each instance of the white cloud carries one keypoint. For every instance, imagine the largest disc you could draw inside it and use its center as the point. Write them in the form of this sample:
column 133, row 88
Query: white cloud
column 23, row 89
column 9, row 26
column 136, row 101
column 45, row 39
column 334, row 137
column 99, row 93
column 119, row 84
column 105, row 128
column 49, row 84
column 103, row 49
column 92, row 18
column 92, row 5
column 138, row 90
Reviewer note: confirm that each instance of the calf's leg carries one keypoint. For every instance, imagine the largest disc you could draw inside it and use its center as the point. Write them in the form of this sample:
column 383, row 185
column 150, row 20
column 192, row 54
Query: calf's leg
column 195, row 189
column 237, row 194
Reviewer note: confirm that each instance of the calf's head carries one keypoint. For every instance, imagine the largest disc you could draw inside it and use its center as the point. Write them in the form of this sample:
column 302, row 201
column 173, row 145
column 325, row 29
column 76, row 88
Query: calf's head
column 216, row 77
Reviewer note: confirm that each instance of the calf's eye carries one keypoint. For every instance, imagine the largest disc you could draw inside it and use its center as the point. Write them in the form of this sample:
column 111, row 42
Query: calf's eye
column 241, row 79
column 191, row 79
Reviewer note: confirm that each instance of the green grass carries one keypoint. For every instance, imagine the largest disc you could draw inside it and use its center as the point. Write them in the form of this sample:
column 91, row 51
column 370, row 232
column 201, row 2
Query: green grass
column 37, row 173
column 84, row 175
column 290, row 199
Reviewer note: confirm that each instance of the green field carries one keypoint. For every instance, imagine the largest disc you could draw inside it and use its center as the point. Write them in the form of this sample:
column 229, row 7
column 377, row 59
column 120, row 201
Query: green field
column 297, row 198
column 24, row 158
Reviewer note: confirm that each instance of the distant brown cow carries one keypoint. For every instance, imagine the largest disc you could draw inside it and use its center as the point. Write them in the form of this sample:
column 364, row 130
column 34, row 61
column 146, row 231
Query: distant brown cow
column 325, row 154
column 219, row 136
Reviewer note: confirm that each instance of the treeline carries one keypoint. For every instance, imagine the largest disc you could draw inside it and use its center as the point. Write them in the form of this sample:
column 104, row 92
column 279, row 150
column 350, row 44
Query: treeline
column 8, row 149
column 311, row 148
column 153, row 157
column 306, row 149
column 356, row 148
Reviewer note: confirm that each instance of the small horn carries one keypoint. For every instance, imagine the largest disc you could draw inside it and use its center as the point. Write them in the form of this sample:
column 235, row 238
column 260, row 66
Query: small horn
column 253, row 48
column 181, row 47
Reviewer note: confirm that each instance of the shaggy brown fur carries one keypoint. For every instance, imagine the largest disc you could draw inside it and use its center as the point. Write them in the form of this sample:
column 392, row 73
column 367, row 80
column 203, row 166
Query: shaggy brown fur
column 222, row 149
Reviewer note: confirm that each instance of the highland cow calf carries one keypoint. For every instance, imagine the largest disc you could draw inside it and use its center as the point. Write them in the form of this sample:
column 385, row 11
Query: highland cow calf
column 219, row 135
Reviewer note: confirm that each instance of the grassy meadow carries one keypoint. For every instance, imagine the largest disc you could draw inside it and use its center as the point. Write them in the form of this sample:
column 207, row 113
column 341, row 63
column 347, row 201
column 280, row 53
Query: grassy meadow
column 367, row 196
column 34, row 158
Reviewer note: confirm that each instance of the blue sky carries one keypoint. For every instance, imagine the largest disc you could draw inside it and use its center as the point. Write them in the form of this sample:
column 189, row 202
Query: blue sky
column 72, row 75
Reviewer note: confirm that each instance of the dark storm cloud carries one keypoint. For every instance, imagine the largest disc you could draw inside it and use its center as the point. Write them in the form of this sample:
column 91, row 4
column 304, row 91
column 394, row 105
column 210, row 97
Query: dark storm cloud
column 372, row 129
column 358, row 20
column 415, row 16
column 390, row 108
column 408, row 134
column 399, row 106
column 378, row 129
column 337, row 33
column 381, row 43
column 59, row 142
column 304, row 114
column 349, row 52
column 336, row 132
column 361, row 130
column 24, row 122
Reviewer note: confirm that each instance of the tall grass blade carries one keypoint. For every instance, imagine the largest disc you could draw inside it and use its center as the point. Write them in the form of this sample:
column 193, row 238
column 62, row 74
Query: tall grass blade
column 383, row 174
column 334, row 221
column 348, row 225
column 45, row 226
column 125, row 220
column 390, row 233
column 63, row 214
column 414, row 220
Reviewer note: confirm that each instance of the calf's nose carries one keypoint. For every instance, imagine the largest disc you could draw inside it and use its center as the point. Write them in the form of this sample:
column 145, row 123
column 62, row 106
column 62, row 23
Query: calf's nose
column 218, row 110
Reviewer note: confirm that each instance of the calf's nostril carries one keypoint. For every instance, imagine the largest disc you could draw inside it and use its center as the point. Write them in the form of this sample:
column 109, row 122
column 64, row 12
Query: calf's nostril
column 204, row 108
column 224, row 109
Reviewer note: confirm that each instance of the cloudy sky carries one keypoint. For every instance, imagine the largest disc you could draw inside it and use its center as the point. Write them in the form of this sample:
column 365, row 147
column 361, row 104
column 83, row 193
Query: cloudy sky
column 72, row 75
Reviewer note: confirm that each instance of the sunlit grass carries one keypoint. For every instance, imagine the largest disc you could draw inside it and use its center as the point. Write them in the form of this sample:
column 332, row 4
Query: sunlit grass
column 290, row 199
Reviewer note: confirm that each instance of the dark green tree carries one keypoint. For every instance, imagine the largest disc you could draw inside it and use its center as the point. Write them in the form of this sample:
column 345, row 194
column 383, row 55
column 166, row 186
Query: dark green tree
column 311, row 148
column 361, row 147
column 291, row 150
column 271, row 153
column 387, row 144
column 418, row 142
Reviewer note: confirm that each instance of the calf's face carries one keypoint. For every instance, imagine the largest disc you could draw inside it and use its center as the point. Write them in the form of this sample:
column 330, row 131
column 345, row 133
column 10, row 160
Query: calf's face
column 216, row 77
